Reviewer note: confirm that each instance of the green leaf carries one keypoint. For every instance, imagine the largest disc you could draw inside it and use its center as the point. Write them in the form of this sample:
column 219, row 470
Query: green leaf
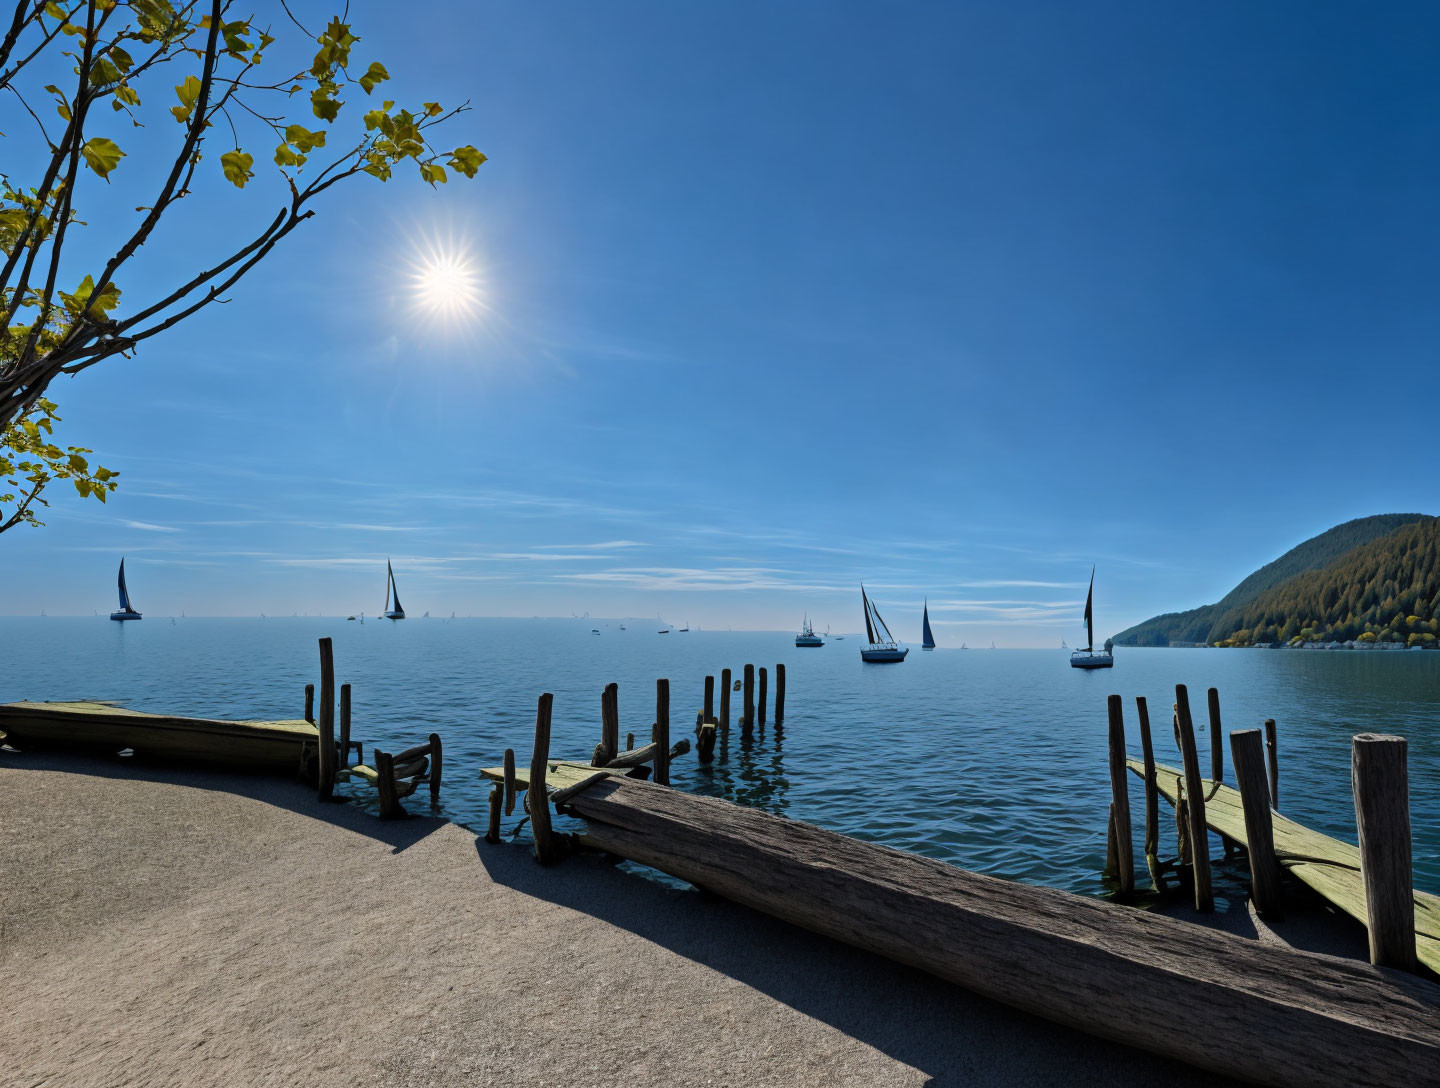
column 102, row 155
column 302, row 139
column 433, row 172
column 376, row 73
column 188, row 92
column 466, row 160
column 433, row 109
column 323, row 104
column 236, row 165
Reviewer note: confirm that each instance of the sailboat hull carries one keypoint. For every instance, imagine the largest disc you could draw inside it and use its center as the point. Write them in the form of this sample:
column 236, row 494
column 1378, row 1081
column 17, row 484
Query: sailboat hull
column 395, row 614
column 879, row 655
column 125, row 616
column 1080, row 659
column 809, row 640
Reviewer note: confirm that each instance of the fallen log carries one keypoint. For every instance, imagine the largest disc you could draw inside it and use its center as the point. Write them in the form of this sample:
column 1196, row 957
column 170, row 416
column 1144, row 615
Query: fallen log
column 1248, row 1010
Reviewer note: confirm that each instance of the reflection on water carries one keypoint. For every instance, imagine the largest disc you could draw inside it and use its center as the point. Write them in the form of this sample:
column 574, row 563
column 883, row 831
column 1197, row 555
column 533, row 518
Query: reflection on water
column 995, row 760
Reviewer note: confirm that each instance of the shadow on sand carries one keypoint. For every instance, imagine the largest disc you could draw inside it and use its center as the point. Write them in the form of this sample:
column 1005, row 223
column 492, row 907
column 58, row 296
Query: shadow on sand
column 953, row 1036
column 354, row 810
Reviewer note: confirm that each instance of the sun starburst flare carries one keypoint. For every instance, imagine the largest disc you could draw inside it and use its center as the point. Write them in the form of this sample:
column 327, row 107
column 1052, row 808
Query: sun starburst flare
column 446, row 285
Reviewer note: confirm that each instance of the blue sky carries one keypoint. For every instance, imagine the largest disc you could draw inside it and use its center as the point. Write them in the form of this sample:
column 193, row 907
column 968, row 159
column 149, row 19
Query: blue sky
column 955, row 299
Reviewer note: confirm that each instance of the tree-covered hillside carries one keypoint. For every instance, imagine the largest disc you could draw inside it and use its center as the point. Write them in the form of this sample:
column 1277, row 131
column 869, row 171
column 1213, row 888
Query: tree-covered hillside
column 1387, row 591
column 1214, row 622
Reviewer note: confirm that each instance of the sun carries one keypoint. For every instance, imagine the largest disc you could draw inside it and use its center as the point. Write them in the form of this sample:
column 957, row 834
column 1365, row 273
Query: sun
column 445, row 284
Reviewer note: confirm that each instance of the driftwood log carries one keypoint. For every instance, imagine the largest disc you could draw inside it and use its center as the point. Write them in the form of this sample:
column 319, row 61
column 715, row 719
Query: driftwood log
column 1218, row 1001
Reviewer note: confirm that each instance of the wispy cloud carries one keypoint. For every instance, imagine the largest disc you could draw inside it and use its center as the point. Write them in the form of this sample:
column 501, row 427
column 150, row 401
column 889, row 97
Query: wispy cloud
column 149, row 527
column 605, row 545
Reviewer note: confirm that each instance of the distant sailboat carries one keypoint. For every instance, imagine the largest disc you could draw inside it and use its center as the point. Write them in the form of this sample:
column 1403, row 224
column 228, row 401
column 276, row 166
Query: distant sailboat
column 882, row 645
column 927, row 638
column 963, row 646
column 1088, row 658
column 807, row 635
column 392, row 593
column 126, row 611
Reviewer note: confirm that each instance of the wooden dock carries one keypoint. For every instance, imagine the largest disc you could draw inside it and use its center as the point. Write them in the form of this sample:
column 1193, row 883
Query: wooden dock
column 276, row 747
column 1328, row 866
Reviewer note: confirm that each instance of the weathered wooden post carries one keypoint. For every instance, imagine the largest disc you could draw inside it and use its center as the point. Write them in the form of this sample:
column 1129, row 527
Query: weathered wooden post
column 1247, row 754
column 725, row 700
column 436, row 765
column 1197, row 832
column 385, row 782
column 629, row 742
column 709, row 698
column 760, row 705
column 662, row 732
column 343, row 752
column 779, row 694
column 310, row 703
column 1381, row 781
column 1152, row 795
column 497, row 795
column 547, row 846
column 610, row 721
column 509, row 781
column 1274, row 756
column 326, row 725
column 747, row 722
column 1217, row 749
column 1120, row 800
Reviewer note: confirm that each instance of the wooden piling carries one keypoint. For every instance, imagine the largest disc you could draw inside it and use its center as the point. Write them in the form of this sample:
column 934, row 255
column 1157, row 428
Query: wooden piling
column 1247, row 754
column 310, row 703
column 547, row 845
column 747, row 723
column 343, row 752
column 1380, row 778
column 326, row 723
column 1217, row 748
column 509, row 781
column 779, row 694
column 709, row 698
column 1195, row 803
column 1120, row 798
column 760, row 704
column 610, row 721
column 436, row 764
column 629, row 742
column 1272, row 753
column 385, row 782
column 1112, row 850
column 662, row 732
column 497, row 796
column 1152, row 794
column 725, row 700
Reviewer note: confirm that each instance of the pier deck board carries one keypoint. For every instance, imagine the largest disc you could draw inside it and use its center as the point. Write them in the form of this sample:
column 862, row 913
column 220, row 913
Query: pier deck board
column 1327, row 865
column 273, row 746
column 562, row 774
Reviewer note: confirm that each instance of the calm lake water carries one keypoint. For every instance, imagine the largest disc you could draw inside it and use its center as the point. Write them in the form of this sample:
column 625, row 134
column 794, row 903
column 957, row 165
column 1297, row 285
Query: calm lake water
column 992, row 759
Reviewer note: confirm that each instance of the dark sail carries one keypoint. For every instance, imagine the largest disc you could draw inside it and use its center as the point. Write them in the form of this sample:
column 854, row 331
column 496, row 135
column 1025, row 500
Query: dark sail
column 394, row 589
column 389, row 578
column 1089, row 618
column 880, row 624
column 927, row 638
column 869, row 628
column 124, row 593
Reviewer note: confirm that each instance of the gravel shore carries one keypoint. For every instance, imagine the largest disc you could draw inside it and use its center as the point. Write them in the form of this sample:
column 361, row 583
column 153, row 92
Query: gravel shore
column 165, row 927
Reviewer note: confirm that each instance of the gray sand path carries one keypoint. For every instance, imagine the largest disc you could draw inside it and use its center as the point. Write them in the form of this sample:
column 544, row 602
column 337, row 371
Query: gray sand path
column 175, row 928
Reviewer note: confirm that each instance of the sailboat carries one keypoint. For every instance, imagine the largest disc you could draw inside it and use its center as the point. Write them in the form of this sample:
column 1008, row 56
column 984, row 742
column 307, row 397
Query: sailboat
column 882, row 646
column 807, row 635
column 927, row 637
column 391, row 593
column 125, row 611
column 1088, row 658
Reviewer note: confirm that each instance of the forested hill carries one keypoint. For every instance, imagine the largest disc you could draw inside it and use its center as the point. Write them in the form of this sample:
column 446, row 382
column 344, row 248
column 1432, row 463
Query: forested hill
column 1332, row 549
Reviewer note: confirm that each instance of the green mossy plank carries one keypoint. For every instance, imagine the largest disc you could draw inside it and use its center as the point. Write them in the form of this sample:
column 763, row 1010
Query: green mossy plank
column 1329, row 866
column 560, row 774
